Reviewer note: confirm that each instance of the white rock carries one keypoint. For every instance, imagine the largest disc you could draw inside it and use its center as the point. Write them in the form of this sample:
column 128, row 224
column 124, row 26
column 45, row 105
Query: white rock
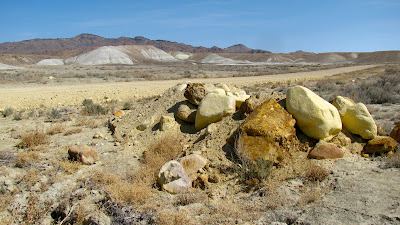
column 173, row 178
column 167, row 123
column 213, row 108
column 218, row 91
column 239, row 97
column 316, row 117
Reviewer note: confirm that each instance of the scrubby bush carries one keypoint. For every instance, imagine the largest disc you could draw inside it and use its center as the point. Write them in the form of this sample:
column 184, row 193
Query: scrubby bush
column 86, row 102
column 54, row 114
column 17, row 116
column 8, row 112
column 33, row 139
column 127, row 106
column 93, row 109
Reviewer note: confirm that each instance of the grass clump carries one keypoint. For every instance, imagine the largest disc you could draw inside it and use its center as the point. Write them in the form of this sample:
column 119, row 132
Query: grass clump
column 393, row 161
column 57, row 129
column 33, row 139
column 18, row 116
column 316, row 173
column 25, row 159
column 87, row 102
column 72, row 131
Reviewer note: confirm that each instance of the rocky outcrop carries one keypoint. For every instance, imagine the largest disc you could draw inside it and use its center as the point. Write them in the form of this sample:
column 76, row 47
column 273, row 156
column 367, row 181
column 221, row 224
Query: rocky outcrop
column 316, row 117
column 268, row 133
column 380, row 144
column 324, row 150
column 213, row 108
column 248, row 106
column 84, row 154
column 195, row 93
column 173, row 178
column 395, row 134
column 359, row 121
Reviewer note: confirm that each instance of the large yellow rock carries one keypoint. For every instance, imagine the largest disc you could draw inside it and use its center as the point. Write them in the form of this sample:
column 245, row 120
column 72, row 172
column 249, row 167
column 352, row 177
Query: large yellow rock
column 213, row 108
column 342, row 104
column 359, row 121
column 268, row 133
column 316, row 117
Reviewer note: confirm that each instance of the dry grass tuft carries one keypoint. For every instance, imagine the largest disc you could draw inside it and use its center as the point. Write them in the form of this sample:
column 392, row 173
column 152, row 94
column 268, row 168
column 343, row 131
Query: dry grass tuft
column 84, row 122
column 68, row 166
column 73, row 131
column 190, row 198
column 315, row 173
column 25, row 159
column 163, row 150
column 33, row 139
column 172, row 217
column 393, row 161
column 57, row 129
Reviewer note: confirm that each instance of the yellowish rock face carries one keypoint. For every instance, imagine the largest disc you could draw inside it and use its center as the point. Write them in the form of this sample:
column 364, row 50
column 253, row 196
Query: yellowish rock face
column 316, row 117
column 359, row 121
column 268, row 133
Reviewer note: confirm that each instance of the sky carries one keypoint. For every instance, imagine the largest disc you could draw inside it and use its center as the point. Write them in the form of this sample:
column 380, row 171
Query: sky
column 277, row 26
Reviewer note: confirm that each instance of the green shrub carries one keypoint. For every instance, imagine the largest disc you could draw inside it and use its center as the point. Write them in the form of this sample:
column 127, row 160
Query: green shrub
column 127, row 106
column 87, row 102
column 54, row 114
column 8, row 112
column 17, row 116
column 93, row 109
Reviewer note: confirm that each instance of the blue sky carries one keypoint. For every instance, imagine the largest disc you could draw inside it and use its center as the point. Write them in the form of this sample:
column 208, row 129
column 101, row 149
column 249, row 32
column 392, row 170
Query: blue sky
column 277, row 26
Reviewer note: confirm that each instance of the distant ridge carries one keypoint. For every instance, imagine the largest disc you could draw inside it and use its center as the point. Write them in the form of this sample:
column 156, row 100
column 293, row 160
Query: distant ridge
column 86, row 42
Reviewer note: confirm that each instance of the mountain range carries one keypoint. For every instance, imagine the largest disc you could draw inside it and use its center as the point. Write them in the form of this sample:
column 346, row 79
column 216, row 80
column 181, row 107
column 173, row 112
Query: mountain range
column 86, row 42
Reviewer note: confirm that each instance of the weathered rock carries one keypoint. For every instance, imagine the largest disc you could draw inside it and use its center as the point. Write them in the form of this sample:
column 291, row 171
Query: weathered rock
column 248, row 106
column 324, row 150
column 239, row 97
column 268, row 133
column 380, row 144
column 167, row 123
column 357, row 120
column 173, row 178
column 211, row 129
column 195, row 93
column 84, row 154
column 395, row 134
column 218, row 91
column 316, row 117
column 180, row 87
column 192, row 163
column 201, row 182
column 146, row 124
column 186, row 113
column 223, row 86
column 342, row 104
column 212, row 109
column 119, row 113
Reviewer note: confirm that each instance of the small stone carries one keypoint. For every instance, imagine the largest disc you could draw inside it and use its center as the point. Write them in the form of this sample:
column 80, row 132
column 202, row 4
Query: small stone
column 395, row 134
column 146, row 124
column 84, row 154
column 324, row 150
column 119, row 113
column 365, row 155
column 167, row 123
column 173, row 178
column 195, row 93
column 248, row 106
column 186, row 112
column 380, row 144
column 192, row 163
column 211, row 129
column 98, row 135
column 213, row 178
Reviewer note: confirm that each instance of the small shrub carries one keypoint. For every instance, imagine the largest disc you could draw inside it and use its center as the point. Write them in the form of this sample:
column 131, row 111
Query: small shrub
column 73, row 131
column 33, row 139
column 8, row 112
column 87, row 102
column 68, row 166
column 17, row 116
column 57, row 129
column 127, row 106
column 54, row 114
column 87, row 123
column 93, row 109
column 315, row 173
column 25, row 159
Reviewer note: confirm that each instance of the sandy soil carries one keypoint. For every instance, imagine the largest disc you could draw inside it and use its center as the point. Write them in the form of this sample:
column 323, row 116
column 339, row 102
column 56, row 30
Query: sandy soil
column 45, row 95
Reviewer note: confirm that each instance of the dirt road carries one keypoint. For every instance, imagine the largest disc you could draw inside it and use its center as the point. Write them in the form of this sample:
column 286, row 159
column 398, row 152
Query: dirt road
column 45, row 95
